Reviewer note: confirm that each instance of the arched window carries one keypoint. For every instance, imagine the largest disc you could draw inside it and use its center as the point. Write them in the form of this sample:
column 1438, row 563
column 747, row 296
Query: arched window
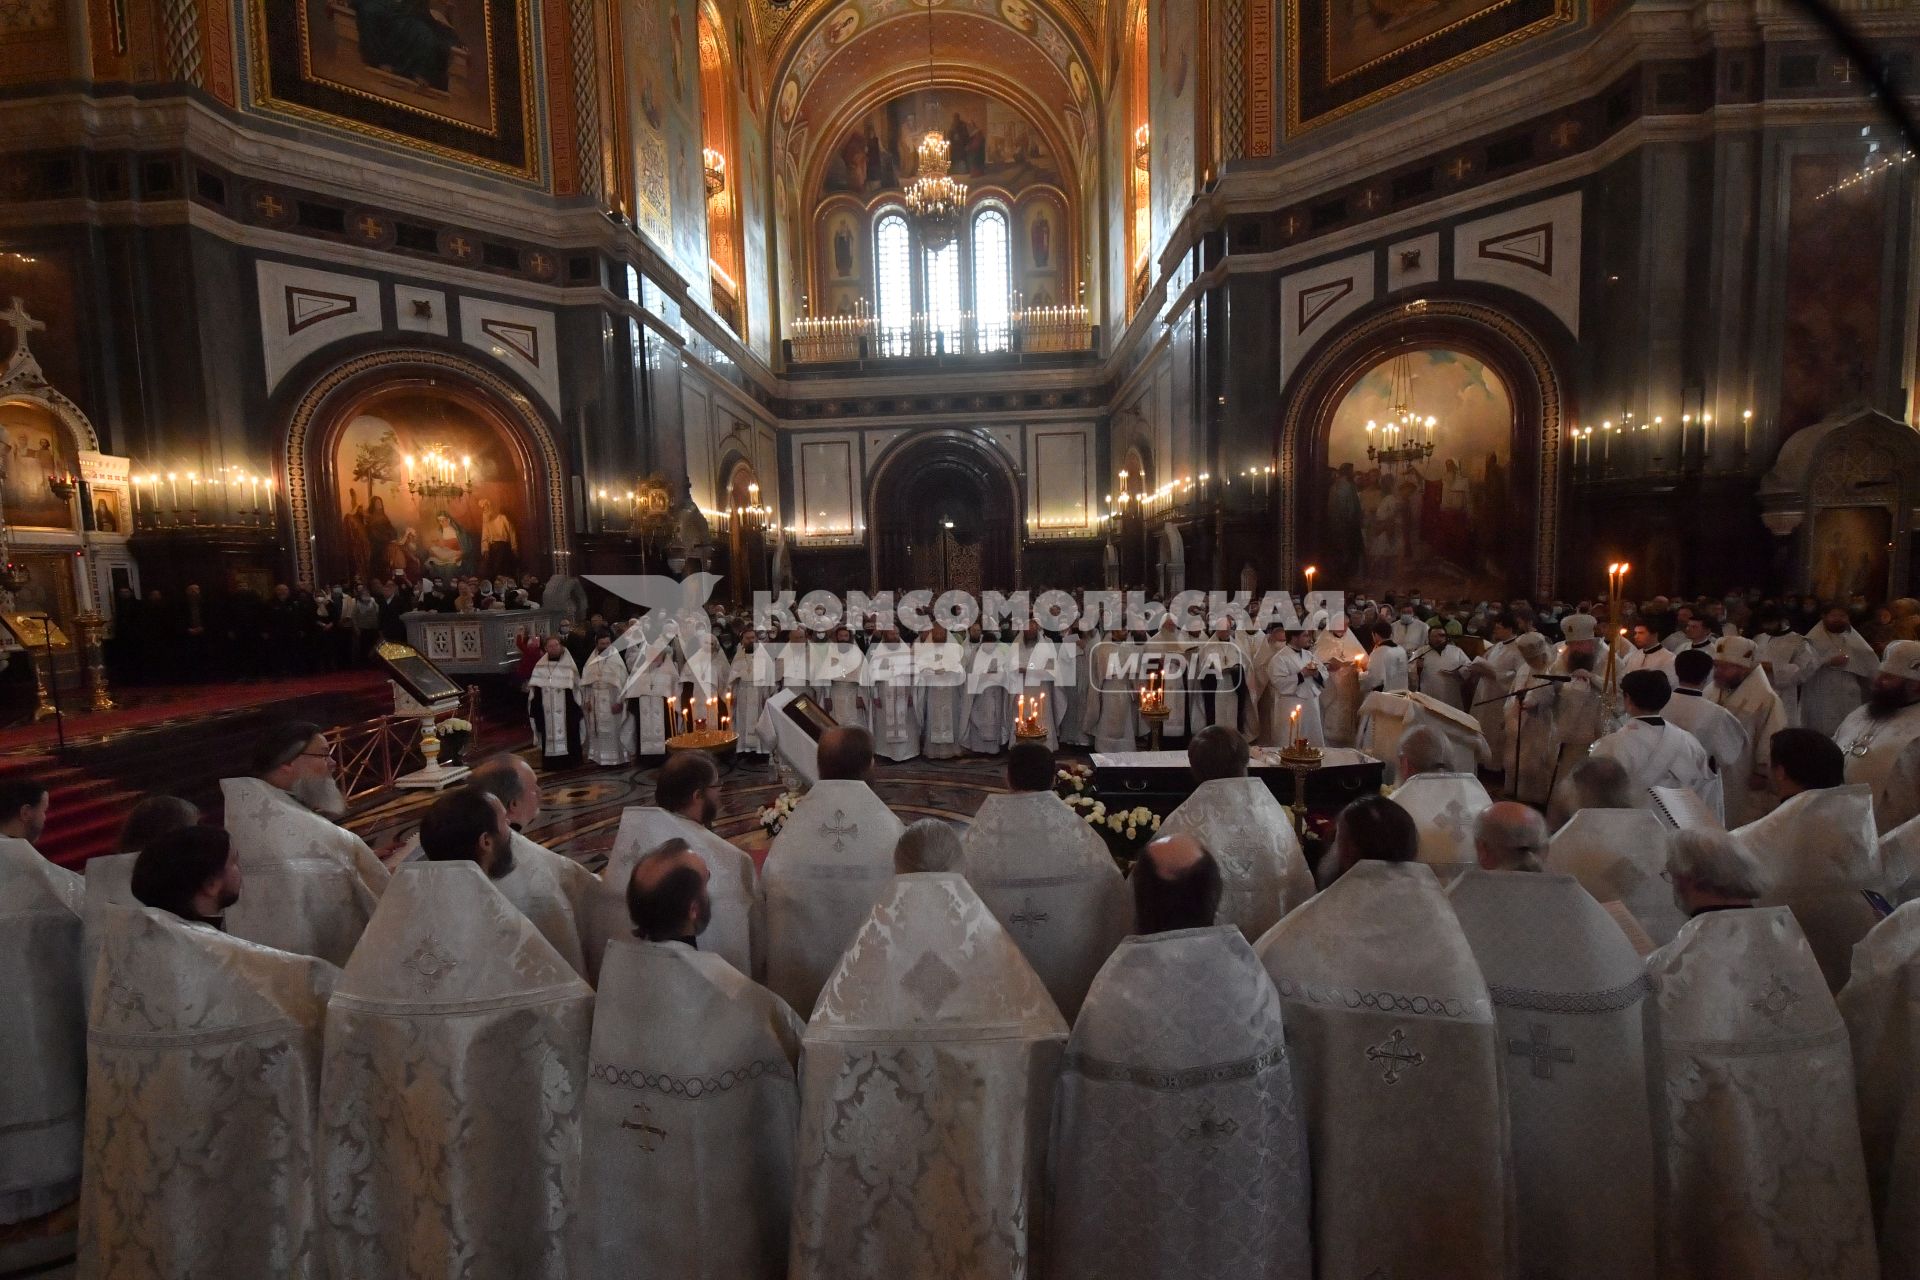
column 992, row 278
column 943, row 294
column 893, row 280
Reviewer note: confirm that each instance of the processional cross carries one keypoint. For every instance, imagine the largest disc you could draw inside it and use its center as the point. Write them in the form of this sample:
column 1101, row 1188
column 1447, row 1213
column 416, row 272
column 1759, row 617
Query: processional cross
column 22, row 324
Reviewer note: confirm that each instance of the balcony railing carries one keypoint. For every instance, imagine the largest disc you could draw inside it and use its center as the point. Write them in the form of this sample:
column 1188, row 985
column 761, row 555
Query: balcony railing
column 854, row 339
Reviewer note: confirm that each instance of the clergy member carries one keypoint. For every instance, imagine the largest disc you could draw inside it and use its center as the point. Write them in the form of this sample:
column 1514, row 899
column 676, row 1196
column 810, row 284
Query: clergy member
column 1655, row 753
column 553, row 706
column 1166, row 656
column 1387, row 718
column 1249, row 832
column 1047, row 878
column 315, row 884
column 686, row 802
column 1179, row 1147
column 925, row 1094
column 842, row 671
column 1440, row 669
column 654, row 689
column 1740, row 684
column 753, row 677
column 109, row 876
column 1756, row 1130
column 1716, row 728
column 1047, row 673
column 894, row 697
column 456, row 1062
column 1882, row 738
column 184, row 1013
column 606, row 728
column 825, row 869
column 1295, row 681
column 1647, row 653
column 548, row 887
column 992, row 685
column 1843, row 667
column 1493, row 674
column 1568, row 994
column 686, row 1168
column 940, row 674
column 43, row 1013
column 1386, row 663
column 1881, row 1005
column 1613, row 845
column 1442, row 803
column 1112, row 715
column 1217, row 692
column 1406, row 1078
column 1343, row 657
column 1785, row 656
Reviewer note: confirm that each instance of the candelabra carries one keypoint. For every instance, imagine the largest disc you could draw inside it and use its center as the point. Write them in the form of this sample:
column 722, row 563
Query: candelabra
column 1029, row 722
column 434, row 474
column 1153, row 707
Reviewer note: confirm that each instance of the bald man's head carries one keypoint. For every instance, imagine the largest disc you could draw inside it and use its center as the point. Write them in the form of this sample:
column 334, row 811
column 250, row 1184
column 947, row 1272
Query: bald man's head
column 1423, row 750
column 667, row 893
column 846, row 754
column 1509, row 837
column 1176, row 885
column 511, row 780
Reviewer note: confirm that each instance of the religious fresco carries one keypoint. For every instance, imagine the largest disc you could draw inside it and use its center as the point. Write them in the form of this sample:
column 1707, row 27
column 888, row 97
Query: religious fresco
column 843, row 247
column 663, row 63
column 1172, row 40
column 991, row 142
column 1345, row 54
column 452, row 77
column 382, row 528
column 1440, row 523
column 1830, row 338
column 1042, row 243
column 35, row 447
column 1850, row 552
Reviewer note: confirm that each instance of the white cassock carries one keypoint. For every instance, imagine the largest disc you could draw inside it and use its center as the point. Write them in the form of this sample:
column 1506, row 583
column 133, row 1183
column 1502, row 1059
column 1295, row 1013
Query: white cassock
column 553, row 695
column 607, row 729
column 925, row 1090
column 1789, row 661
column 456, row 1063
column 1568, row 992
column 1386, row 670
column 1829, row 694
column 1263, row 874
column 1444, row 807
column 1659, row 658
column 1397, row 1059
column 992, row 684
column 1167, row 652
column 1495, row 670
column 1053, row 886
column 1761, row 714
column 686, row 1163
column 893, row 701
column 1112, row 719
column 654, row 684
column 733, row 930
column 1900, row 862
column 549, row 889
column 1046, row 675
column 940, row 675
column 754, row 678
column 1885, row 754
column 1411, row 632
column 1725, row 739
column 843, row 672
column 43, row 1046
column 1385, row 718
column 1881, row 1005
column 1754, row 1118
column 1620, row 855
column 1552, row 720
column 1657, row 754
column 1179, row 1148
column 1340, row 700
column 109, row 883
column 1442, row 674
column 1074, row 657
column 1818, row 854
column 829, row 863
column 1216, row 690
column 203, row 1084
column 1295, row 681
column 312, row 885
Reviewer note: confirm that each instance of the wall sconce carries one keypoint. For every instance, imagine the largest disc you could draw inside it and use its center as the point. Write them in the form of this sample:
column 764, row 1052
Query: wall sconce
column 1142, row 147
column 715, row 167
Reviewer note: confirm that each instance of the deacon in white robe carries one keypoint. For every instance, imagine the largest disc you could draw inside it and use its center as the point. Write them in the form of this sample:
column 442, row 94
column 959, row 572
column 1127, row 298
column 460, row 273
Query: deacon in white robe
column 1397, row 1060
column 686, row 1165
column 548, row 888
column 1049, row 880
column 312, row 885
column 553, row 706
column 940, row 696
column 1647, row 654
column 450, row 1099
column 1263, row 874
column 1762, row 1176
column 1386, row 667
column 203, row 1088
column 109, row 876
column 1386, row 718
column 654, row 688
column 926, row 1088
column 848, row 697
column 1568, row 992
column 1112, row 718
column 993, row 682
column 607, row 728
column 1620, row 855
column 1493, row 674
column 1440, row 669
column 1291, row 708
column 1787, row 659
column 1178, row 1144
column 1716, row 729
column 1818, row 854
column 733, row 934
column 1075, row 649
column 1882, row 738
column 1343, row 656
column 44, row 1016
column 753, row 677
column 1217, row 692
column 1881, row 1005
column 1444, row 807
column 1653, row 752
column 1552, row 716
column 1843, row 665
column 894, row 698
column 1740, row 685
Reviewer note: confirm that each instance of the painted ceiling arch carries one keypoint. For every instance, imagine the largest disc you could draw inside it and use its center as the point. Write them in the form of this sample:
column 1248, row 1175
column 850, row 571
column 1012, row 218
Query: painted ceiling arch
column 781, row 25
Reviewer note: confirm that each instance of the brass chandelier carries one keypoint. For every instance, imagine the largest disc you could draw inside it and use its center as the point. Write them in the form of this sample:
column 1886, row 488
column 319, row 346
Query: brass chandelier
column 935, row 199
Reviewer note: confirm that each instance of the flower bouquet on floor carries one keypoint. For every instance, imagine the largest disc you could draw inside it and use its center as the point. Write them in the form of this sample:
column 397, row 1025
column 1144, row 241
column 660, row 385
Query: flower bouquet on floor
column 1126, row 831
column 774, row 815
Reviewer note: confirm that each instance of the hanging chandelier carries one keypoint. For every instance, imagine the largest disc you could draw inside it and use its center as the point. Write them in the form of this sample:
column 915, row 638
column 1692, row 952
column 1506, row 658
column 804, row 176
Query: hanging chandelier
column 437, row 474
column 1406, row 438
column 935, row 199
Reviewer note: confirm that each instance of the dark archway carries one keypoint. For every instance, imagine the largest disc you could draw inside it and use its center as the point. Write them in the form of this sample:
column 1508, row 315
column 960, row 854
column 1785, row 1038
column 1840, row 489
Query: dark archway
column 945, row 517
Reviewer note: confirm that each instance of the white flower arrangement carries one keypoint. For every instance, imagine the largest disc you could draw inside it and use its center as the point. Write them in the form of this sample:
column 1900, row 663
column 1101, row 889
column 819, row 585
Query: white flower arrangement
column 455, row 724
column 774, row 816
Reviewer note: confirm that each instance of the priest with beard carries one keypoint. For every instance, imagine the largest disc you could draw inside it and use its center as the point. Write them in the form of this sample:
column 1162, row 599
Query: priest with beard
column 606, row 729
column 1263, row 873
column 894, row 696
column 827, row 866
column 1439, row 669
column 1882, row 738
column 1843, row 668
column 1290, row 707
column 1568, row 994
column 109, row 876
column 1785, row 656
column 1755, row 1126
column 687, row 1139
column 456, row 1062
column 553, row 706
column 1397, row 1059
column 940, row 677
column 1179, row 1148
column 1112, row 704
column 1493, row 675
column 1653, row 752
column 1881, row 1004
column 1047, row 878
column 183, row 1013
column 653, row 689
column 1741, row 686
column 1613, row 845
column 752, row 678
column 686, row 802
column 549, row 889
column 315, row 884
column 926, row 1088
column 1343, row 657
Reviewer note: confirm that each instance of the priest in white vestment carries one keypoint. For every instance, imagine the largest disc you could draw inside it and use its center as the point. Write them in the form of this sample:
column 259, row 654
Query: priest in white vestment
column 1762, row 1176
column 1646, row 653
column 553, row 706
column 1112, row 716
column 1537, row 704
column 941, row 700
column 686, row 800
column 1075, row 652
column 1882, row 738
column 1653, row 752
column 654, row 687
column 1217, row 692
column 686, row 1166
column 1344, row 657
column 1843, row 666
column 1716, row 729
column 1444, row 806
column 753, row 677
column 606, row 729
column 43, row 1013
column 1785, row 656
column 894, row 698
column 550, row 889
column 1387, row 718
column 1881, row 1005
column 1614, row 847
column 826, row 868
column 1568, row 993
column 1741, row 686
column 993, row 682
column 315, row 884
column 1178, row 1144
column 1493, row 673
column 1290, row 710
column 1440, row 668
column 203, row 1086
column 1248, row 831
column 109, row 876
column 926, row 1089
column 1047, row 878
column 451, row 1096
column 843, row 673
column 1386, row 663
